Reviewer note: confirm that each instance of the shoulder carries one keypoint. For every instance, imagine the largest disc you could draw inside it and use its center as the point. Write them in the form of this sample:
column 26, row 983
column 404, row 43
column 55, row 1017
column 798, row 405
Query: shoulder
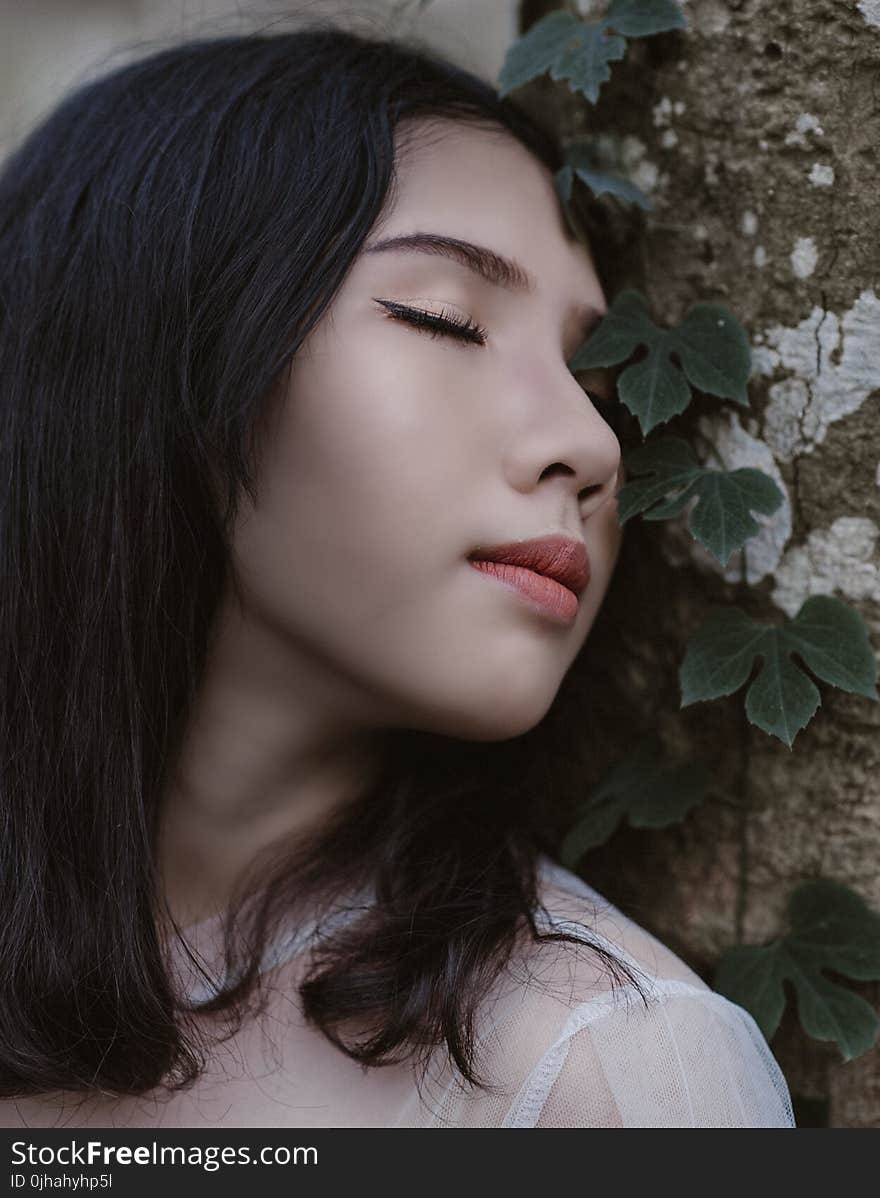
column 568, row 903
column 575, row 1044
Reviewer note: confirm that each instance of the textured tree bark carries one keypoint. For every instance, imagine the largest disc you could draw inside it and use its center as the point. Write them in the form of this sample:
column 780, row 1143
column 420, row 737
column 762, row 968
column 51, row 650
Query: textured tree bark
column 755, row 133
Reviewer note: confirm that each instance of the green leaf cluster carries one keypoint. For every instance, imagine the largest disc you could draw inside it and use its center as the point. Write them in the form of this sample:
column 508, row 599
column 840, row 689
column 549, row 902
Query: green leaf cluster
column 708, row 350
column 582, row 161
column 721, row 518
column 577, row 51
column 830, row 927
column 636, row 789
column 829, row 636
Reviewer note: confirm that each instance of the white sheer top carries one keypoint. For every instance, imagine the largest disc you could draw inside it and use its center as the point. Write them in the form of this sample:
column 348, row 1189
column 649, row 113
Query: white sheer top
column 560, row 1045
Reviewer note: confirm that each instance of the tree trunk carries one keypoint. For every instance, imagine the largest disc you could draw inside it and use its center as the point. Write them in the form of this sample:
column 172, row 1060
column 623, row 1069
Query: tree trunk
column 755, row 133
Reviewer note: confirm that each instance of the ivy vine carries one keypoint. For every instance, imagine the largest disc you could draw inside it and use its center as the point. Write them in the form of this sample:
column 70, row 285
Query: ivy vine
column 829, row 926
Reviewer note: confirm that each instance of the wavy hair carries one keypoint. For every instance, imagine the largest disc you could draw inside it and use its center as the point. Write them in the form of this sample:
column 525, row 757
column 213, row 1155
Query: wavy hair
column 169, row 235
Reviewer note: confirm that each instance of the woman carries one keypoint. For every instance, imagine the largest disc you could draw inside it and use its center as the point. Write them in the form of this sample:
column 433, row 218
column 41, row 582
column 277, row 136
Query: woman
column 285, row 330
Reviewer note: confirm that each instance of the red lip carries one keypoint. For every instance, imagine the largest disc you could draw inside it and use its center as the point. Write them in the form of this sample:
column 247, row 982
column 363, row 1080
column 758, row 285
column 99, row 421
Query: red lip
column 555, row 557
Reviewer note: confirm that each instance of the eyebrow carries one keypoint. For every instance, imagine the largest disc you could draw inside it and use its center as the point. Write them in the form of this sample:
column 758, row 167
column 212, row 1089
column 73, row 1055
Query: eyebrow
column 489, row 265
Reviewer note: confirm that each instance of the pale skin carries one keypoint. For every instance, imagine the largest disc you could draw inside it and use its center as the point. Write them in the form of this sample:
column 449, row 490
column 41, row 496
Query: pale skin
column 395, row 453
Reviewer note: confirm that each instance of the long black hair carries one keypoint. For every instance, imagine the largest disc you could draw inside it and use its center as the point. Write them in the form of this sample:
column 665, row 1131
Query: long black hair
column 169, row 235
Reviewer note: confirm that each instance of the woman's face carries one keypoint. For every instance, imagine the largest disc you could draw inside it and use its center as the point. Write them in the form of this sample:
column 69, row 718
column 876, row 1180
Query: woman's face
column 397, row 451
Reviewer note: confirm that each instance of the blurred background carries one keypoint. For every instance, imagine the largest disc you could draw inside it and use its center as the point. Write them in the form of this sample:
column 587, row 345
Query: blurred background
column 48, row 46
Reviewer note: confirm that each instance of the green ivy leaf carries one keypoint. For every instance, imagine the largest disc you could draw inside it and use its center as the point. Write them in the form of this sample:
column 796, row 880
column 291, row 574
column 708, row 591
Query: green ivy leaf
column 641, row 18
column 831, row 927
column 579, row 51
column 582, row 161
column 635, row 787
column 721, row 519
column 829, row 636
column 570, row 49
column 710, row 343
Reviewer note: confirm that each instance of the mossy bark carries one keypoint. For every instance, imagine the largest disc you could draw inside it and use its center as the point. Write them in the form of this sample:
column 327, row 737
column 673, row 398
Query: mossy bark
column 755, row 133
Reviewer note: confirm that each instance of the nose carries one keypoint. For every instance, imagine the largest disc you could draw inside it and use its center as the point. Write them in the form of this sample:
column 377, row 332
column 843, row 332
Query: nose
column 572, row 447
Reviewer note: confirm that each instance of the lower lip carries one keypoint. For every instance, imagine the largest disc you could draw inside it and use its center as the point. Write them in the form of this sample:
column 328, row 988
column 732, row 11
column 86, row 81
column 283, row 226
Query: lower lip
column 543, row 594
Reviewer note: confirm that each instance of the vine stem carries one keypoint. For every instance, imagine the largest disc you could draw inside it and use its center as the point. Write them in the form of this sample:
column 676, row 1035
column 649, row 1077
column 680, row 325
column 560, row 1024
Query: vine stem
column 718, row 458
column 718, row 796
column 742, row 792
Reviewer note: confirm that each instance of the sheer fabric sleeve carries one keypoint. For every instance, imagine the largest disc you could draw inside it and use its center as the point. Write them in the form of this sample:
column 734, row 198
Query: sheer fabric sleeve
column 566, row 1046
column 691, row 1058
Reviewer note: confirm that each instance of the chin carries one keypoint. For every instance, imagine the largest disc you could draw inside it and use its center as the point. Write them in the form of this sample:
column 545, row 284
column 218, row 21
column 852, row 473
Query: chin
column 497, row 721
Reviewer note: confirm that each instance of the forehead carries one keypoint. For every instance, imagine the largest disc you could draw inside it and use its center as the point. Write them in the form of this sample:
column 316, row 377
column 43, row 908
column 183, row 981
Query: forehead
column 481, row 184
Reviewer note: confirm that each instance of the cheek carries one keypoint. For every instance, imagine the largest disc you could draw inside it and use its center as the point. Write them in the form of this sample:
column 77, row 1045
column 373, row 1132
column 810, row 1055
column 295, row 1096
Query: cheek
column 364, row 402
column 353, row 513
column 376, row 447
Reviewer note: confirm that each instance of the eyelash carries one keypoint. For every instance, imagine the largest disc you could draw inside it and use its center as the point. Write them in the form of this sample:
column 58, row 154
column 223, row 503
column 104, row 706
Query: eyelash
column 467, row 331
column 436, row 326
column 443, row 325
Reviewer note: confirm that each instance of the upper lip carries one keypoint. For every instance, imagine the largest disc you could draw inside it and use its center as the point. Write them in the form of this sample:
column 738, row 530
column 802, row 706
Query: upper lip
column 555, row 556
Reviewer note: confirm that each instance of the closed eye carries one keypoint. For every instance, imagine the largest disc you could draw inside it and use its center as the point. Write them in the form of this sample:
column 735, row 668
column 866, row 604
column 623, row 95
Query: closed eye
column 436, row 325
